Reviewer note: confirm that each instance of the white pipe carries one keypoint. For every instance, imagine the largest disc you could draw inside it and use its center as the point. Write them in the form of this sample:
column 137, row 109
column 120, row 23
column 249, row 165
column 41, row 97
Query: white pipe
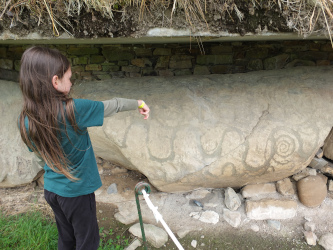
column 158, row 217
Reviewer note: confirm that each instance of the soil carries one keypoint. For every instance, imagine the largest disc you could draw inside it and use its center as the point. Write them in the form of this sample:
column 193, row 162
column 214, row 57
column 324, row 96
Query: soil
column 135, row 22
column 208, row 236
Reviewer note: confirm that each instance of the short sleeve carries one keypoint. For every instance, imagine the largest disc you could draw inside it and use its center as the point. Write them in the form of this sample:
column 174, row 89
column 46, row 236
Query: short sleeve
column 88, row 113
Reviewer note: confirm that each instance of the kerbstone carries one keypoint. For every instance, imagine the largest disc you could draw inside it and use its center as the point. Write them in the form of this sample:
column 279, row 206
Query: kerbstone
column 17, row 165
column 194, row 148
column 248, row 128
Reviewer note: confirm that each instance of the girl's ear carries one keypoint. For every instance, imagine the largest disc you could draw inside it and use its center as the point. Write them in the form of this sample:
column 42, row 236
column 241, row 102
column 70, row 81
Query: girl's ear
column 55, row 81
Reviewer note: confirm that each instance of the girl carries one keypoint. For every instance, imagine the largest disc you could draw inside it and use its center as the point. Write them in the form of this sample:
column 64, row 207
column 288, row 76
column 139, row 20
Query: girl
column 54, row 126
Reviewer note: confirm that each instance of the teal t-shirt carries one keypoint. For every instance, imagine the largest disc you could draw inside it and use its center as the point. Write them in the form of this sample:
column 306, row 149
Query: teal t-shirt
column 79, row 151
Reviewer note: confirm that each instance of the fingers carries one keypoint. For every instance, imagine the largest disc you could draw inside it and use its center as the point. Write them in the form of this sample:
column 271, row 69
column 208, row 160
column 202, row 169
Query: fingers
column 143, row 109
column 145, row 112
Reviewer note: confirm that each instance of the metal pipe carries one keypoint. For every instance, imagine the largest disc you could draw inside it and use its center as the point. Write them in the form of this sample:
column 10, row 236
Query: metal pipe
column 138, row 190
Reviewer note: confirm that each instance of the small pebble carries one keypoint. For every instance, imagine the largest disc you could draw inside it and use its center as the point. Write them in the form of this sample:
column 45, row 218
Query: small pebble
column 274, row 224
column 198, row 203
column 255, row 228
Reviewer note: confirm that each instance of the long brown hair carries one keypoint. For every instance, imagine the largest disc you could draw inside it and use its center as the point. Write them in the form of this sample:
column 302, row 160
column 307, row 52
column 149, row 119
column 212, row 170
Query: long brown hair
column 44, row 106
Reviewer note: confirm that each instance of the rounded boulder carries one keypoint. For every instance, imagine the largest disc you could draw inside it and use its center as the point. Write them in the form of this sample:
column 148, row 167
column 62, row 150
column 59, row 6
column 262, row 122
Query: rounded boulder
column 312, row 191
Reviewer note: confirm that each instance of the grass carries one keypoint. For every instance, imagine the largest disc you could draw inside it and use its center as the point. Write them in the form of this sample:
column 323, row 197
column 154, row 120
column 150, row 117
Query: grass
column 109, row 241
column 33, row 230
column 27, row 231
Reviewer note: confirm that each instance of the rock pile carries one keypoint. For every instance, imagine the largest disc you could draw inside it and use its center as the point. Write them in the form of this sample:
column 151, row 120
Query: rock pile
column 273, row 202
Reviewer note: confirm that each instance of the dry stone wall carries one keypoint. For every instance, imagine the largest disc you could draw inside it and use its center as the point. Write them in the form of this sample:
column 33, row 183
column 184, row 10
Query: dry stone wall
column 102, row 62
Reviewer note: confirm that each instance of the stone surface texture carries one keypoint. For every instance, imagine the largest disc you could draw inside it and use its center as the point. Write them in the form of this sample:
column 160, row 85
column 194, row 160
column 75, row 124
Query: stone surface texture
column 204, row 131
column 232, row 200
column 304, row 173
column 134, row 245
column 326, row 241
column 234, row 218
column 328, row 146
column 285, row 187
column 310, row 237
column 93, row 60
column 312, row 191
column 238, row 132
column 154, row 235
column 271, row 209
column 17, row 165
column 258, row 190
column 309, row 226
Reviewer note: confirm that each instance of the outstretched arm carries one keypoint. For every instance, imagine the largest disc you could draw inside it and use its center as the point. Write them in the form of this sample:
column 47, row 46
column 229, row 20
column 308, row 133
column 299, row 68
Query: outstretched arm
column 116, row 105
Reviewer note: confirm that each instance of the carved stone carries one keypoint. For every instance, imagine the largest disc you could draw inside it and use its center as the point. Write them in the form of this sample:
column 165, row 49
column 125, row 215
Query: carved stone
column 217, row 130
column 204, row 131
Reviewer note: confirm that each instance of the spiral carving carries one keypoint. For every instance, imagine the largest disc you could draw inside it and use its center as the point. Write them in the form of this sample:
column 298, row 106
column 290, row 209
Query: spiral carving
column 285, row 144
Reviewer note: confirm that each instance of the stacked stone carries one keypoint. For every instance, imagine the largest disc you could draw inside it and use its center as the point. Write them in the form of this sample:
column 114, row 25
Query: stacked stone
column 269, row 202
column 101, row 62
column 311, row 186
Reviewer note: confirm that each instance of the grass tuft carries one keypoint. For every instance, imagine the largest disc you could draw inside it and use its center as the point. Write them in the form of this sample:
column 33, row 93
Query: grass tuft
column 27, row 231
column 110, row 241
column 32, row 230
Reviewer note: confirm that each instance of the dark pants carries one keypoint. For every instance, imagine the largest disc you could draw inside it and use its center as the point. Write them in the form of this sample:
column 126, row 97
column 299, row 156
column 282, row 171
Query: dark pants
column 76, row 221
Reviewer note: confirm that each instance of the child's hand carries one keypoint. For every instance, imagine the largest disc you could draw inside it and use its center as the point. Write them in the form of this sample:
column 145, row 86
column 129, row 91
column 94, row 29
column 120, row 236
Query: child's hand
column 143, row 109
